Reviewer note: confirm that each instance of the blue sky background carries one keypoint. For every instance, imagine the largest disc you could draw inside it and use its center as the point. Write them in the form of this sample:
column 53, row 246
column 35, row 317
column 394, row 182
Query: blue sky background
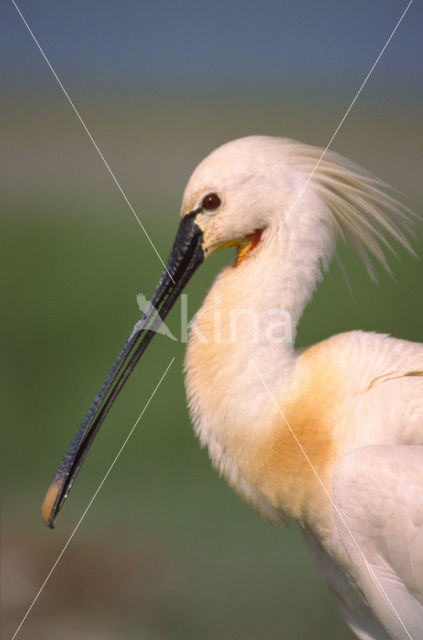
column 214, row 43
column 162, row 83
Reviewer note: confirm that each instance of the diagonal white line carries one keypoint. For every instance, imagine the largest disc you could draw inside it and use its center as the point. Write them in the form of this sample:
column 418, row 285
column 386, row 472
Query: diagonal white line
column 372, row 68
column 369, row 567
column 92, row 499
column 59, row 82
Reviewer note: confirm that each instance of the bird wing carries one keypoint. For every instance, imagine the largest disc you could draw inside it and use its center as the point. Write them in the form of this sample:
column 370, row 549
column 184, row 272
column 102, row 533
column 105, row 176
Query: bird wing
column 378, row 503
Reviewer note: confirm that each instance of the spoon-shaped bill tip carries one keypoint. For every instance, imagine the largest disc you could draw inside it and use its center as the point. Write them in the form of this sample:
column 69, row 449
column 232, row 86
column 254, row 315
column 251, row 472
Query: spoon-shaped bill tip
column 50, row 501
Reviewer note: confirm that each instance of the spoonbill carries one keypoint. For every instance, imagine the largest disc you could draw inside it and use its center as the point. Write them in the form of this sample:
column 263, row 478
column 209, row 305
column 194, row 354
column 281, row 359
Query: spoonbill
column 330, row 436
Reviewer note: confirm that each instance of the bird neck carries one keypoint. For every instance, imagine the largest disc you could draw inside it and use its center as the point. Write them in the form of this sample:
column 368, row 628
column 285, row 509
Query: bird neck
column 241, row 365
column 253, row 309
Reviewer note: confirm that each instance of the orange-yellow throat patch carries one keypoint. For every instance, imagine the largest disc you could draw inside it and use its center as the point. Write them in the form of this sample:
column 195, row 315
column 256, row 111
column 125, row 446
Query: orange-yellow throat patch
column 247, row 244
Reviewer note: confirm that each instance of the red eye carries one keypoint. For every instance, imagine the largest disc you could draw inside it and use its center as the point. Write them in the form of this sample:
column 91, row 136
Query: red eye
column 211, row 202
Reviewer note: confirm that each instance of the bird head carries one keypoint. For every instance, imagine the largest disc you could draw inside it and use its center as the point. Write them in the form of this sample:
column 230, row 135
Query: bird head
column 239, row 194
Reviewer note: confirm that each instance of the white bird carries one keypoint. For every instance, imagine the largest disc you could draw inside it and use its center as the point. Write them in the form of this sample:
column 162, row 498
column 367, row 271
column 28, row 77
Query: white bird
column 330, row 436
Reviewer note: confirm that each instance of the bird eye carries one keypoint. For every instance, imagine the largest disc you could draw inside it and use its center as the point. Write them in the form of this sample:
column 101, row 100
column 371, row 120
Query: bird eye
column 211, row 202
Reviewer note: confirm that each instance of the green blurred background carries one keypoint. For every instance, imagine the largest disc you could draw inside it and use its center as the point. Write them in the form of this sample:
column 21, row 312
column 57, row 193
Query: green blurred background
column 167, row 551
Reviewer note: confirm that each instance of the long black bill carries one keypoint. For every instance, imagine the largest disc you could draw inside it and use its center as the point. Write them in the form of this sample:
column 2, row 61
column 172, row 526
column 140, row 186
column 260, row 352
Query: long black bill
column 185, row 257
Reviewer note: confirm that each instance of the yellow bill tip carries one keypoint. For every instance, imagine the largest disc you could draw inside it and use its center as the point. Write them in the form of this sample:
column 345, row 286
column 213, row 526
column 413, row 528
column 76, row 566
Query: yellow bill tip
column 49, row 503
